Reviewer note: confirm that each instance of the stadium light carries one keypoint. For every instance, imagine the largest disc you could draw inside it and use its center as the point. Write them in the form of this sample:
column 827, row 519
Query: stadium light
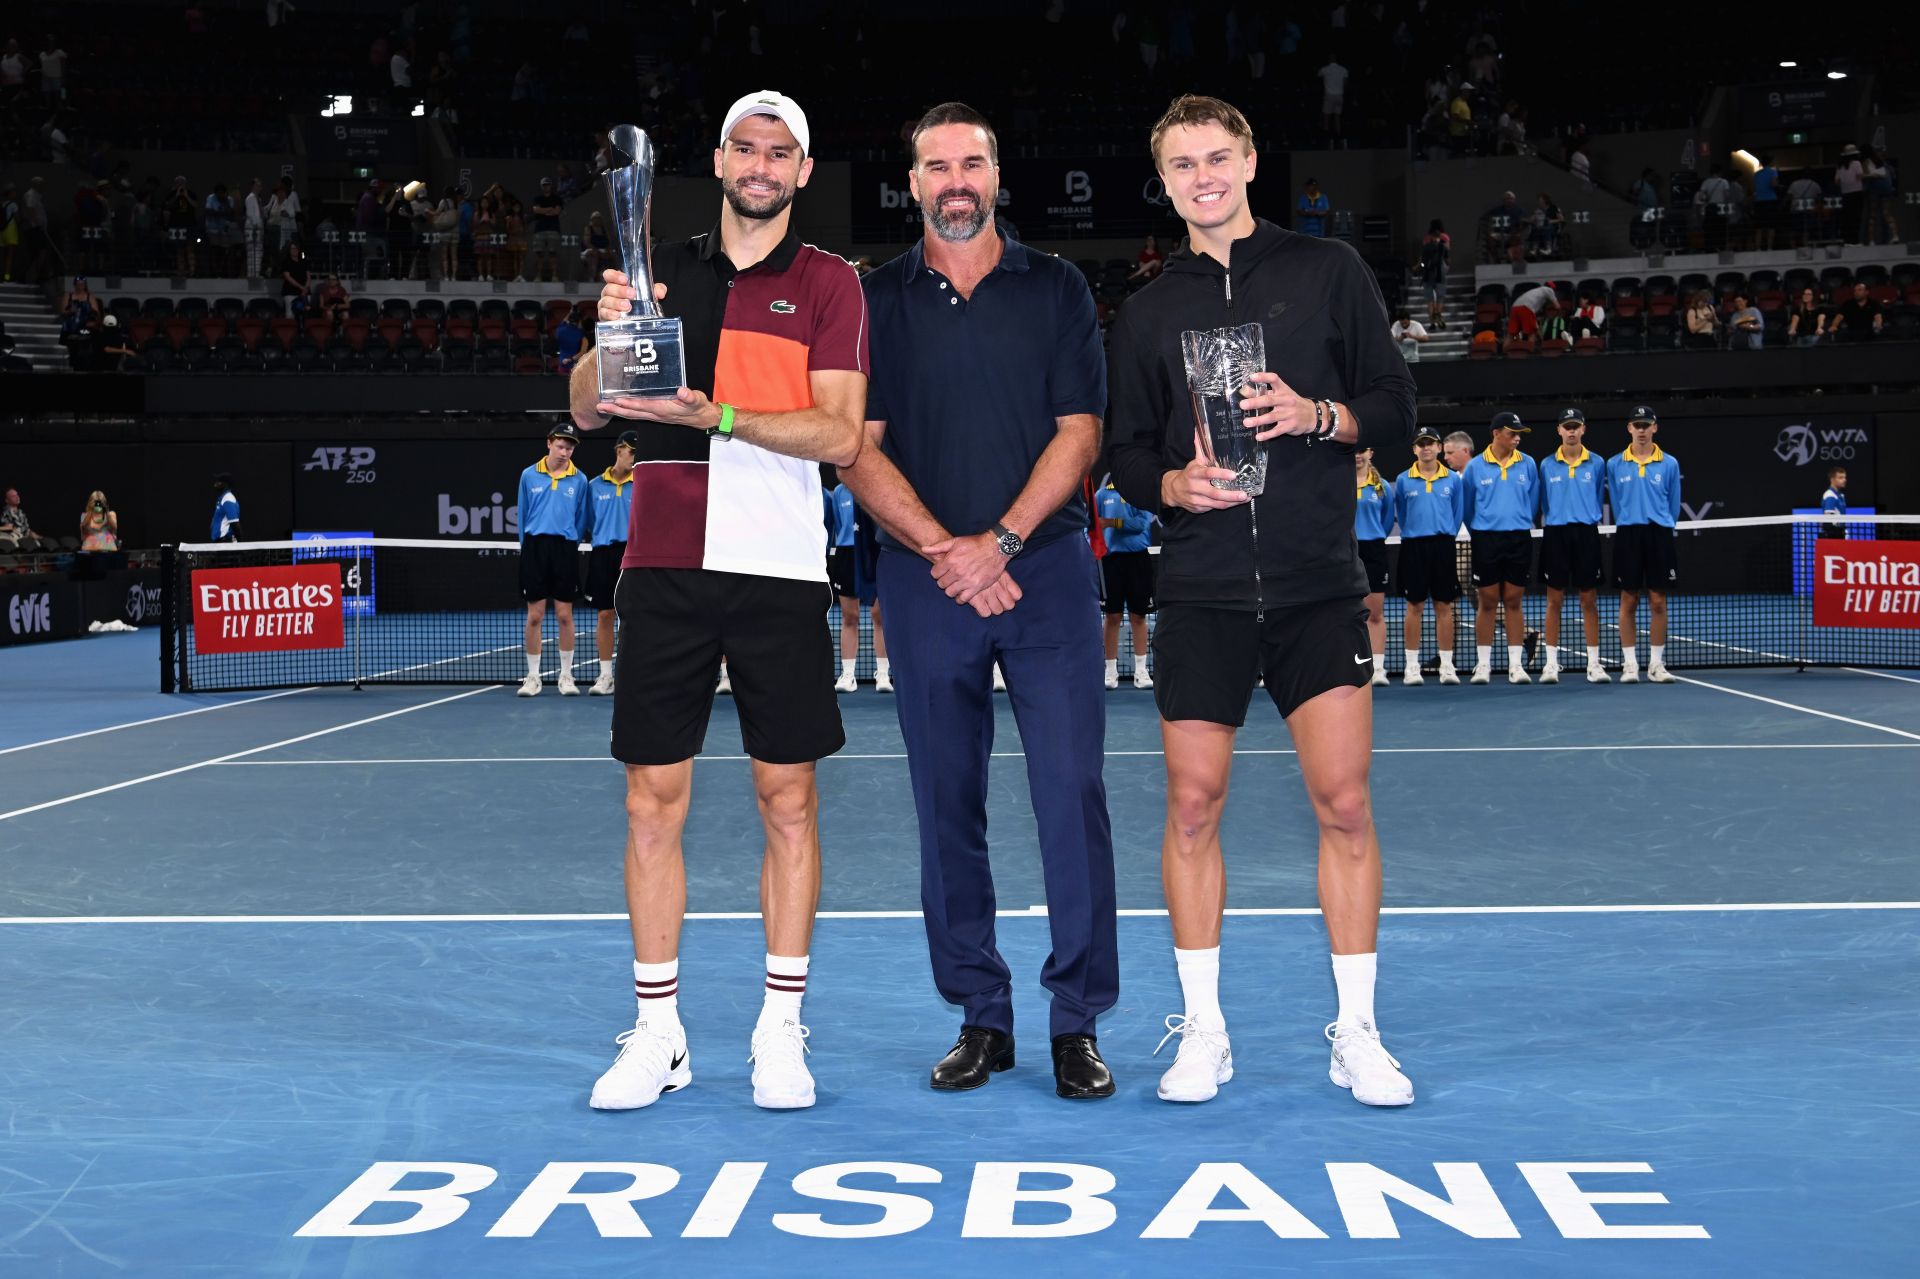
column 419, row 109
column 1747, row 158
column 1836, row 75
column 1789, row 63
column 340, row 104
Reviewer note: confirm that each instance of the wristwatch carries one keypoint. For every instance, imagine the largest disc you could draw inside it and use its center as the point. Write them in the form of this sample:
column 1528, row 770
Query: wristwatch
column 1011, row 543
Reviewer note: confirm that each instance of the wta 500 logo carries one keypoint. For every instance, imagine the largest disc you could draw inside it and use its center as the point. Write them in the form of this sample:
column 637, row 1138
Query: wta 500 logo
column 1802, row 443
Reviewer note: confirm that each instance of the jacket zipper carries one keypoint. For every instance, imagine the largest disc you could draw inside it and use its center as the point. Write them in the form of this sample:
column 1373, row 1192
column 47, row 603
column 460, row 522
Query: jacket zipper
column 1253, row 517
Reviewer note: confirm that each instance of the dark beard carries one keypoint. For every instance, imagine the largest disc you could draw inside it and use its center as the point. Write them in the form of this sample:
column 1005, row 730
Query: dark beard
column 758, row 213
column 952, row 229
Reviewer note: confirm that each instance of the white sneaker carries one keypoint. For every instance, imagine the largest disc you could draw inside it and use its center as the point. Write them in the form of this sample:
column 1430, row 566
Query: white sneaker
column 999, row 680
column 650, row 1062
column 781, row 1080
column 1597, row 674
column 566, row 685
column 1518, row 675
column 1379, row 677
column 1111, row 679
column 846, row 684
column 1204, row 1062
column 1481, row 674
column 602, row 687
column 725, row 686
column 1448, row 675
column 882, row 682
column 1141, row 679
column 1629, row 673
column 1657, row 673
column 1550, row 673
column 1362, row 1065
column 1412, row 677
column 530, row 686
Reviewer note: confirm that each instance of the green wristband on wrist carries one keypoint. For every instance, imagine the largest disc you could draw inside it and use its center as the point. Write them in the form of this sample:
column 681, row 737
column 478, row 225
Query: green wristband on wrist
column 725, row 428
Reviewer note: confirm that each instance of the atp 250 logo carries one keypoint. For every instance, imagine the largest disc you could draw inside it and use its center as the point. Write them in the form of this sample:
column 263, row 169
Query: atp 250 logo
column 354, row 464
column 1801, row 443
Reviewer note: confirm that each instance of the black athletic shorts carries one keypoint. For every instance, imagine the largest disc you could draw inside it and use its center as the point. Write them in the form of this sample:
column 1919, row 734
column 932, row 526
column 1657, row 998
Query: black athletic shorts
column 1428, row 569
column 603, row 574
column 1373, row 554
column 1206, row 660
column 1644, row 558
column 1129, row 580
column 1570, row 556
column 840, row 571
column 1502, row 556
column 549, row 568
column 678, row 623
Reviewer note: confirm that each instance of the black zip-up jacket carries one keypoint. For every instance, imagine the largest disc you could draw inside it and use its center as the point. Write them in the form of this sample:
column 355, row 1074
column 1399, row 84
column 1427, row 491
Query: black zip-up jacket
column 1326, row 336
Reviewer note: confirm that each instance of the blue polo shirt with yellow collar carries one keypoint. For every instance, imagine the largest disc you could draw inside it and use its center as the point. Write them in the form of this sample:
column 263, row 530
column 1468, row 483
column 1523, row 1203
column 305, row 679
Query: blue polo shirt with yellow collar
column 553, row 503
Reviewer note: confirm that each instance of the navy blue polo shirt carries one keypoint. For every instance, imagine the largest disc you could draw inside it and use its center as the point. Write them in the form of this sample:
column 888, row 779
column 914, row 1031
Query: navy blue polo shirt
column 969, row 388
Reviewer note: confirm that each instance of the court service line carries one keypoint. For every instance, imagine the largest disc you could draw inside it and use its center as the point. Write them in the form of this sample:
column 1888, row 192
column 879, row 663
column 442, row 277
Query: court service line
column 198, row 710
column 1807, row 710
column 1378, row 750
column 1031, row 912
column 291, row 741
column 1861, row 670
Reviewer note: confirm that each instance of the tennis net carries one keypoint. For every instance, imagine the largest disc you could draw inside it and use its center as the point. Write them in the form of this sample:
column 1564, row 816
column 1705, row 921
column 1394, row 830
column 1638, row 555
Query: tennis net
column 361, row 610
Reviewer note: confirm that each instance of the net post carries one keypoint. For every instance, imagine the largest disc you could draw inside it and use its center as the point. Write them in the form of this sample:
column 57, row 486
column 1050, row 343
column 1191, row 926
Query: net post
column 360, row 608
column 168, row 607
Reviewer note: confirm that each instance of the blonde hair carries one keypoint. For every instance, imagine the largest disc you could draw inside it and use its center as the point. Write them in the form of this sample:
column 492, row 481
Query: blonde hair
column 1194, row 109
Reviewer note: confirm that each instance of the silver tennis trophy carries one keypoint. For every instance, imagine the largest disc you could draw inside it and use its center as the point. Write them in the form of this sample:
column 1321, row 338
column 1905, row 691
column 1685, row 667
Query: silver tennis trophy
column 1220, row 362
column 644, row 354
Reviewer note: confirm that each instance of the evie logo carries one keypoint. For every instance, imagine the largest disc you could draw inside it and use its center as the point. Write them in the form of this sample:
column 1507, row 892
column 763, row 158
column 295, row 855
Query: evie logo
column 782, row 307
column 30, row 614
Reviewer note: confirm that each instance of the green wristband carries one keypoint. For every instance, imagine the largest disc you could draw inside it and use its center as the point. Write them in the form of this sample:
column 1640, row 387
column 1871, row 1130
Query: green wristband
column 725, row 428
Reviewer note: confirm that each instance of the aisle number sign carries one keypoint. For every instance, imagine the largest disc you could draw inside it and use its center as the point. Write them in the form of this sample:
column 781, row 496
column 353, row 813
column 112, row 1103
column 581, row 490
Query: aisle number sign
column 267, row 609
column 1866, row 583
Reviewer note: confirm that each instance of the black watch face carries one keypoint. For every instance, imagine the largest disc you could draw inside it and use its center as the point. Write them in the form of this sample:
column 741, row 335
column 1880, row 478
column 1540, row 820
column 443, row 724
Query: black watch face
column 1010, row 544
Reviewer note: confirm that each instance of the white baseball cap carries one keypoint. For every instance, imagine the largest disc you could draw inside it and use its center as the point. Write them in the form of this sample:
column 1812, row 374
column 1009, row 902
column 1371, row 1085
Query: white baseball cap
column 777, row 105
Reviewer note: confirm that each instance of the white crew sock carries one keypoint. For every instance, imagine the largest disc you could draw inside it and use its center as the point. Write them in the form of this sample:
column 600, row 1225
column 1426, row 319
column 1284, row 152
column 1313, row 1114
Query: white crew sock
column 566, row 662
column 1353, row 979
column 606, row 667
column 1379, row 662
column 1413, row 659
column 1552, row 659
column 1516, row 654
column 656, row 990
column 1630, row 659
column 882, row 668
column 846, row 667
column 1656, row 654
column 533, row 665
column 1113, row 668
column 1446, row 658
column 1593, row 657
column 786, row 986
column 1200, row 985
column 723, row 668
column 1483, row 655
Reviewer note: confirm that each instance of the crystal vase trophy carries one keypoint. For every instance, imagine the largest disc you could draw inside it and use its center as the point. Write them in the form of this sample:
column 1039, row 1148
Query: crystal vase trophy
column 1220, row 362
column 642, row 355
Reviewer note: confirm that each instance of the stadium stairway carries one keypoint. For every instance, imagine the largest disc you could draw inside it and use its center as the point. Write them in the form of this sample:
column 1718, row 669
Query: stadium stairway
column 33, row 326
column 1450, row 344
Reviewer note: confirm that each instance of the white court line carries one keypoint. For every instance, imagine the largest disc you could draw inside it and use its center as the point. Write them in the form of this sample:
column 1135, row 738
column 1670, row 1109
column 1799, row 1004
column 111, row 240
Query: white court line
column 188, row 768
column 1032, row 912
column 1861, row 670
column 1378, row 750
column 1807, row 710
column 198, row 710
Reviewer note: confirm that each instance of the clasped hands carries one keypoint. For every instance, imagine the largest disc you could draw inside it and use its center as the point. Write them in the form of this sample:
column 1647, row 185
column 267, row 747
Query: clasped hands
column 972, row 571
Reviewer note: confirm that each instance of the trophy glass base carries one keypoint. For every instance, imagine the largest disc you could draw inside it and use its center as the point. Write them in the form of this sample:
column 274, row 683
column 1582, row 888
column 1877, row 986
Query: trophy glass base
column 1251, row 478
column 642, row 356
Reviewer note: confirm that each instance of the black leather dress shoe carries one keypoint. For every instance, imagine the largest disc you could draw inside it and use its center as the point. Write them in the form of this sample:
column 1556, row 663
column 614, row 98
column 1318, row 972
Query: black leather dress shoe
column 1078, row 1072
column 979, row 1053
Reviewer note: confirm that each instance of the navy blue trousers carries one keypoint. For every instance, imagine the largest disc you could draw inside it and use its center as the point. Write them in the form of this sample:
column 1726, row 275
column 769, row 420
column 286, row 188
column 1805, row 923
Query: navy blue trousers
column 1049, row 650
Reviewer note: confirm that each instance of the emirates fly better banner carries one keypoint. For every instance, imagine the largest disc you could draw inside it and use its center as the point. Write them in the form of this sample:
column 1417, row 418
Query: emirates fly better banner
column 1858, row 583
column 267, row 610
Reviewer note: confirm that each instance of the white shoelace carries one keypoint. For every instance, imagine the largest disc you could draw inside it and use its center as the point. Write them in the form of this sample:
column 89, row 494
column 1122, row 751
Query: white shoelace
column 1364, row 1038
column 1214, row 1041
column 648, row 1047
column 782, row 1045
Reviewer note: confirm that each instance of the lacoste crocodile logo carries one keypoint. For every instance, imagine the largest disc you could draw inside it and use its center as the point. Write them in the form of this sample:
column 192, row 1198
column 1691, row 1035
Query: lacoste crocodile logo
column 782, row 307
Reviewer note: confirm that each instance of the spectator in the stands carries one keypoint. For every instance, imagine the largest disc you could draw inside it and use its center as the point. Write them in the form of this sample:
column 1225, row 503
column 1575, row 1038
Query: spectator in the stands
column 1510, row 132
column 467, row 210
column 78, row 308
column 53, row 72
column 1524, row 316
column 446, row 235
column 515, row 222
column 1580, row 164
column 1483, row 62
column 1506, row 225
column 565, row 185
column 544, row 260
column 1333, row 85
column 486, row 236
column 99, row 524
column 1807, row 322
column 596, row 248
column 181, row 213
column 331, row 300
column 1850, row 176
column 1766, row 202
column 13, row 75
column 1882, row 208
column 219, row 228
column 1149, row 263
column 254, row 225
column 1545, row 223
column 1436, row 254
column 400, row 73
column 1746, row 330
column 16, row 531
column 91, row 224
column 1806, row 200
column 1713, row 203
column 111, row 345
column 1703, row 325
column 283, row 212
column 1858, row 319
column 569, row 338
column 370, row 221
column 295, row 279
column 1408, row 334
column 1589, row 318
column 1313, row 208
column 1460, row 119
column 1645, row 195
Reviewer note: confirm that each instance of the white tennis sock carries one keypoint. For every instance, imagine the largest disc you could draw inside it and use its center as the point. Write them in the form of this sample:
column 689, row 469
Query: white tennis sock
column 1552, row 658
column 1483, row 655
column 1379, row 662
column 1446, row 659
column 656, row 989
column 1593, row 657
column 1113, row 668
column 533, row 665
column 1630, row 659
column 846, row 667
column 882, row 668
column 1200, row 985
column 786, row 986
column 1413, row 659
column 566, row 662
column 1656, row 654
column 1516, row 654
column 1353, row 979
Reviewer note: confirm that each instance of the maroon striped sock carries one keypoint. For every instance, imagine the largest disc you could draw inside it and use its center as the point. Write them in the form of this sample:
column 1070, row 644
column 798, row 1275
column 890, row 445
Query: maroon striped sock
column 656, row 989
column 786, row 985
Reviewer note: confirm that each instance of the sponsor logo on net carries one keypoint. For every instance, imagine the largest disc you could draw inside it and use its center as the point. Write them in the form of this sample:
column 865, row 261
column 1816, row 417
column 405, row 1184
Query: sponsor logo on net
column 1801, row 443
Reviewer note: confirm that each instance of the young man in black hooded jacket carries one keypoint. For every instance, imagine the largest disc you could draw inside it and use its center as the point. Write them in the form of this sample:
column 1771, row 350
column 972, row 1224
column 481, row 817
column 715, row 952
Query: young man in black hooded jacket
column 1268, row 586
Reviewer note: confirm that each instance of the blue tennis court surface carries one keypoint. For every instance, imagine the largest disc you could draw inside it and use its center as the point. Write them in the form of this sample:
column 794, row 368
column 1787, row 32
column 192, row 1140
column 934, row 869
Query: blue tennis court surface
column 1649, row 961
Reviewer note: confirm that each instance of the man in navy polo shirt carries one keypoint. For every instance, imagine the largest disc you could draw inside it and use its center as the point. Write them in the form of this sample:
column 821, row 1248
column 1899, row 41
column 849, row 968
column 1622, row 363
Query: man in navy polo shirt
column 983, row 417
